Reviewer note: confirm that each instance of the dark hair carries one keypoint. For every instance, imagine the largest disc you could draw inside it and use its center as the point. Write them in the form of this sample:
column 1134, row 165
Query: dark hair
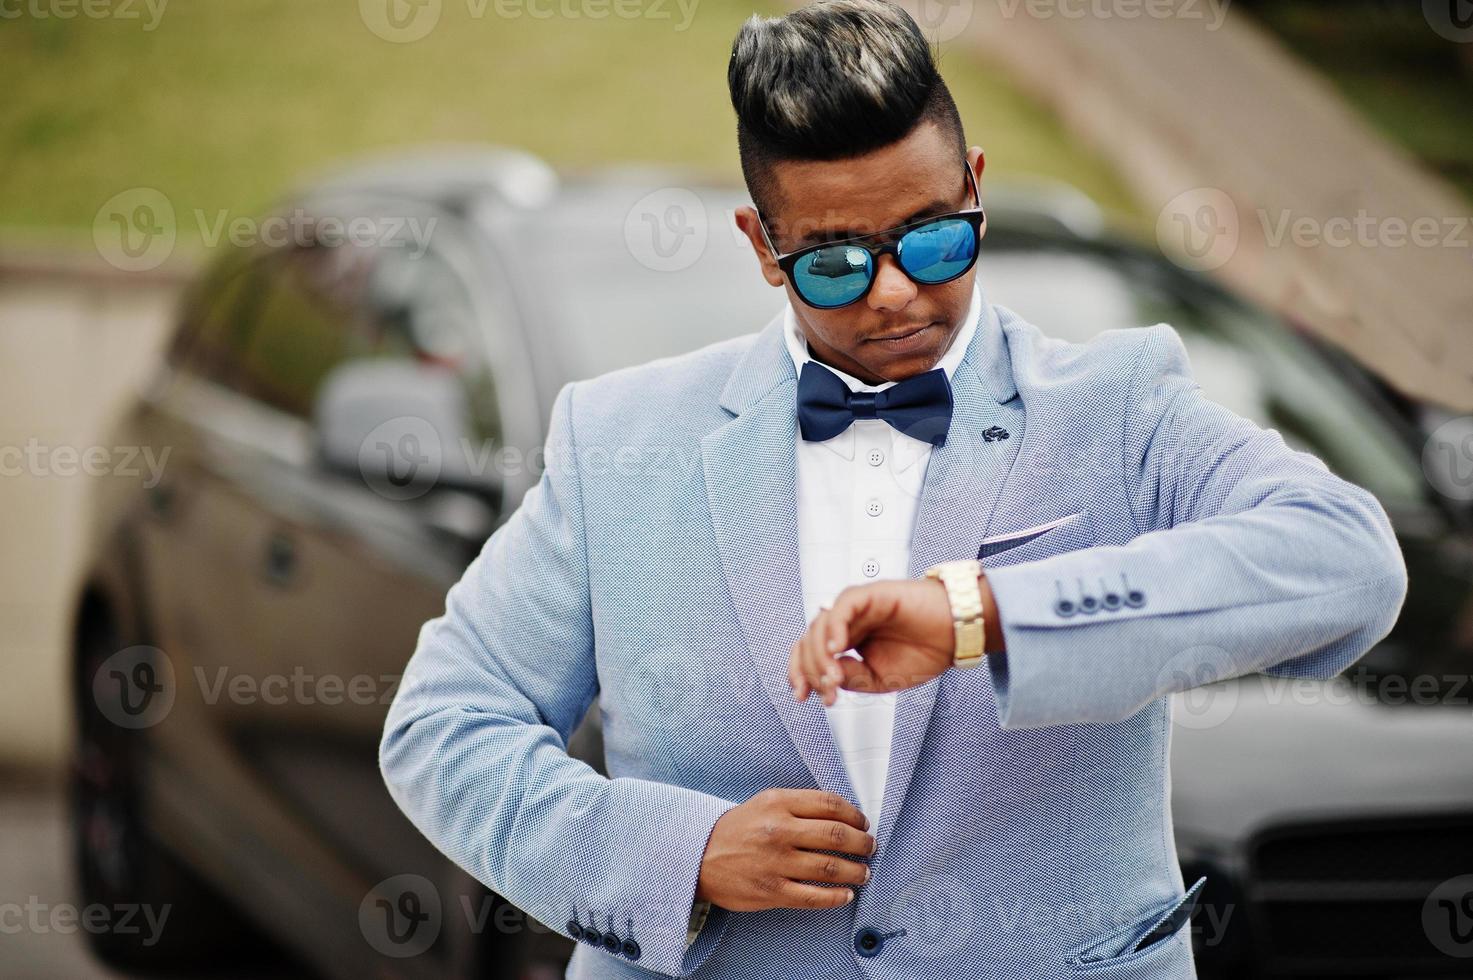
column 829, row 81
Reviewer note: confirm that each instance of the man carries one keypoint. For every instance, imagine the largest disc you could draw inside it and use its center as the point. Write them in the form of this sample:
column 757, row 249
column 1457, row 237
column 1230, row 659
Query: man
column 919, row 817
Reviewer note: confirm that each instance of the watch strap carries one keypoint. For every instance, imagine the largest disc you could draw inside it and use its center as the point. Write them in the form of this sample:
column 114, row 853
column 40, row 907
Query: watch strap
column 961, row 579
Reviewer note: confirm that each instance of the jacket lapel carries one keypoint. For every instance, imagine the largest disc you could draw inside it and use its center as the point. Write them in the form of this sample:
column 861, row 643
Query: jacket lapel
column 751, row 482
column 963, row 480
column 750, row 465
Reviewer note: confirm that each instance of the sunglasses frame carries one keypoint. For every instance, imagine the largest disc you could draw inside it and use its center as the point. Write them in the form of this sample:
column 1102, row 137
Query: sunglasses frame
column 974, row 216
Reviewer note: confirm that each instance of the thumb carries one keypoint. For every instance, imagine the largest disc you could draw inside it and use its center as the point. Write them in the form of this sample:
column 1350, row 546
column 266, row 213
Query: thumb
column 856, row 675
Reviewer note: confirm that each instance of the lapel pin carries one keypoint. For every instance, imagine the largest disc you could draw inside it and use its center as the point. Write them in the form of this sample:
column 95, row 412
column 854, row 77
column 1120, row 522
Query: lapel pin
column 994, row 433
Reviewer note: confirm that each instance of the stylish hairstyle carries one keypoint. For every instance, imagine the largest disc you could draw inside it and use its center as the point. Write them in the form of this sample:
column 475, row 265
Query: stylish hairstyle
column 829, row 81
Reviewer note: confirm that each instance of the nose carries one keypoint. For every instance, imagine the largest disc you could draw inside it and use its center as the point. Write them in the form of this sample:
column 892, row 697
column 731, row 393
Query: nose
column 892, row 289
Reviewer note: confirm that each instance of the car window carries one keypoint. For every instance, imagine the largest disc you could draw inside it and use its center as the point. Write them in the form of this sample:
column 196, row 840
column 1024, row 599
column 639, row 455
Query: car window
column 322, row 306
column 212, row 339
column 424, row 310
column 306, row 323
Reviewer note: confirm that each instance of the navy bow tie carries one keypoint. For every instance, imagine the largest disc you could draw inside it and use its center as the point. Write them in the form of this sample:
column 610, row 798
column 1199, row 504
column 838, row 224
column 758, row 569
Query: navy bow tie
column 919, row 406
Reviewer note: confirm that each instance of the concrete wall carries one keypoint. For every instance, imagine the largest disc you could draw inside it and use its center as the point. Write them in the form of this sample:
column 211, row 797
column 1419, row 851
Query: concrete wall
column 75, row 343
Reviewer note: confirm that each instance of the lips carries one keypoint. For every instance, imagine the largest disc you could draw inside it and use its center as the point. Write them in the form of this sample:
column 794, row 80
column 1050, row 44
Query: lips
column 903, row 333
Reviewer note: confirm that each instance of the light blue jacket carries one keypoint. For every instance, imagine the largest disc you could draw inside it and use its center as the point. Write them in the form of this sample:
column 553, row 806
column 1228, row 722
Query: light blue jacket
column 1026, row 829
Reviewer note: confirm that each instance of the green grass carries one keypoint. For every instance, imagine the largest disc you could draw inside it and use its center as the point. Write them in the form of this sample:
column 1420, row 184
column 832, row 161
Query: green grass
column 224, row 104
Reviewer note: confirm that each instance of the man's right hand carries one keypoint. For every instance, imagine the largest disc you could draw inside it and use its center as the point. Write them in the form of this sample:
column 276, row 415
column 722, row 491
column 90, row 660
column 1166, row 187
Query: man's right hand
column 762, row 853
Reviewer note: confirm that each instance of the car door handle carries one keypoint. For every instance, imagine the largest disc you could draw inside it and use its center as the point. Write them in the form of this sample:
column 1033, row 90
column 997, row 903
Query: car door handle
column 281, row 559
column 161, row 498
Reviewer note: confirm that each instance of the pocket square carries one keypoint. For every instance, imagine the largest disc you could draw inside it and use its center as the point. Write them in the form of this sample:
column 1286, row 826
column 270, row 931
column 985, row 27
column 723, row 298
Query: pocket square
column 998, row 543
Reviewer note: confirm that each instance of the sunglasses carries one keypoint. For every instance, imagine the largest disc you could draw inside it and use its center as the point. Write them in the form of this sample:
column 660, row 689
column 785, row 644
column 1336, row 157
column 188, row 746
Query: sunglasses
column 928, row 250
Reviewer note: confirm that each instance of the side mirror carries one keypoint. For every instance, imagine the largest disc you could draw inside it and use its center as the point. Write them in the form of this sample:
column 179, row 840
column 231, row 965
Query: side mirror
column 402, row 427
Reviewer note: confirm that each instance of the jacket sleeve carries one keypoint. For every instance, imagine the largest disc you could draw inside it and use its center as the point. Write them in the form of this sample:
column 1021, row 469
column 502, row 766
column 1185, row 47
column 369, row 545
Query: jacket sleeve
column 474, row 746
column 1250, row 556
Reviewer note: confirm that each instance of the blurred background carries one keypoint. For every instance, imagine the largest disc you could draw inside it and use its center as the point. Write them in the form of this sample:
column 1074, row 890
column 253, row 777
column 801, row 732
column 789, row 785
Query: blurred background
column 241, row 243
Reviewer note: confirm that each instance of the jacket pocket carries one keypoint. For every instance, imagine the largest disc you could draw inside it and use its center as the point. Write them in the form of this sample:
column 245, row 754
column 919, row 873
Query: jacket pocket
column 1146, row 945
column 997, row 544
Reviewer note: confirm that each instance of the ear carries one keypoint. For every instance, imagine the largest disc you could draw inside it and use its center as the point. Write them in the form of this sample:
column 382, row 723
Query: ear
column 977, row 160
column 746, row 220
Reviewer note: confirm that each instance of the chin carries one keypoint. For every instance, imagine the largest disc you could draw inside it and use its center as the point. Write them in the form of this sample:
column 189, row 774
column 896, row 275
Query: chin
column 898, row 367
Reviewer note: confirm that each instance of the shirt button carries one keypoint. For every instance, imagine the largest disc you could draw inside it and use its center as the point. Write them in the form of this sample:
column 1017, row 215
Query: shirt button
column 875, row 507
column 875, row 457
column 871, row 568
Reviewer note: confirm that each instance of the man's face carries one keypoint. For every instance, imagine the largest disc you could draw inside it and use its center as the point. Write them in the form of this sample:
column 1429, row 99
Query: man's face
column 822, row 201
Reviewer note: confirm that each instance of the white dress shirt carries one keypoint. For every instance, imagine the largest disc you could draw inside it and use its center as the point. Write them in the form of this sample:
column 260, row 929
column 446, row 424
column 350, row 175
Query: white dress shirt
column 857, row 498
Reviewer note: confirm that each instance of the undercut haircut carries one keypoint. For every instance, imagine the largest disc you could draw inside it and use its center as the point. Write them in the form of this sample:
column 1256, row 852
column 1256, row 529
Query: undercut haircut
column 829, row 81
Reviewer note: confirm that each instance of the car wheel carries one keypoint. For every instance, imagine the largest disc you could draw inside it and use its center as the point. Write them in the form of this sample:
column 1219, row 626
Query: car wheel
column 119, row 865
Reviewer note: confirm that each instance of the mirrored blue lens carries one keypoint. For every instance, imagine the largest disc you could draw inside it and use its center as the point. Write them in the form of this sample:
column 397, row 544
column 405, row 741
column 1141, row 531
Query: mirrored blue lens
column 938, row 252
column 833, row 276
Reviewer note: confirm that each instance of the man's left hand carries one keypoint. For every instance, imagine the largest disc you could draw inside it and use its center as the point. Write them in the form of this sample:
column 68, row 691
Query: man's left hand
column 902, row 629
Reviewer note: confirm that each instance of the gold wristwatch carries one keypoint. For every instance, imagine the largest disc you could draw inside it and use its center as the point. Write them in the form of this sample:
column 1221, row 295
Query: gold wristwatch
column 964, row 593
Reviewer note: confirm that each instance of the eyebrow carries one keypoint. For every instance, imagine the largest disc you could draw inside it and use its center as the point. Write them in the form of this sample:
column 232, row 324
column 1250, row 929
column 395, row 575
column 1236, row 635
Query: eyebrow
column 839, row 235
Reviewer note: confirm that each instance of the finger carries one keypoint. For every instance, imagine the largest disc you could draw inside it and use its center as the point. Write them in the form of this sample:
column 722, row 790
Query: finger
column 816, row 662
column 825, row 666
column 833, row 636
column 811, row 866
column 797, row 680
column 807, row 657
column 832, row 835
column 793, row 895
column 819, row 804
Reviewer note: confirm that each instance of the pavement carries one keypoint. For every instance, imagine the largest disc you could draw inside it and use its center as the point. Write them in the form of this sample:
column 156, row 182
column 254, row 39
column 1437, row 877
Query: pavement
column 42, row 923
